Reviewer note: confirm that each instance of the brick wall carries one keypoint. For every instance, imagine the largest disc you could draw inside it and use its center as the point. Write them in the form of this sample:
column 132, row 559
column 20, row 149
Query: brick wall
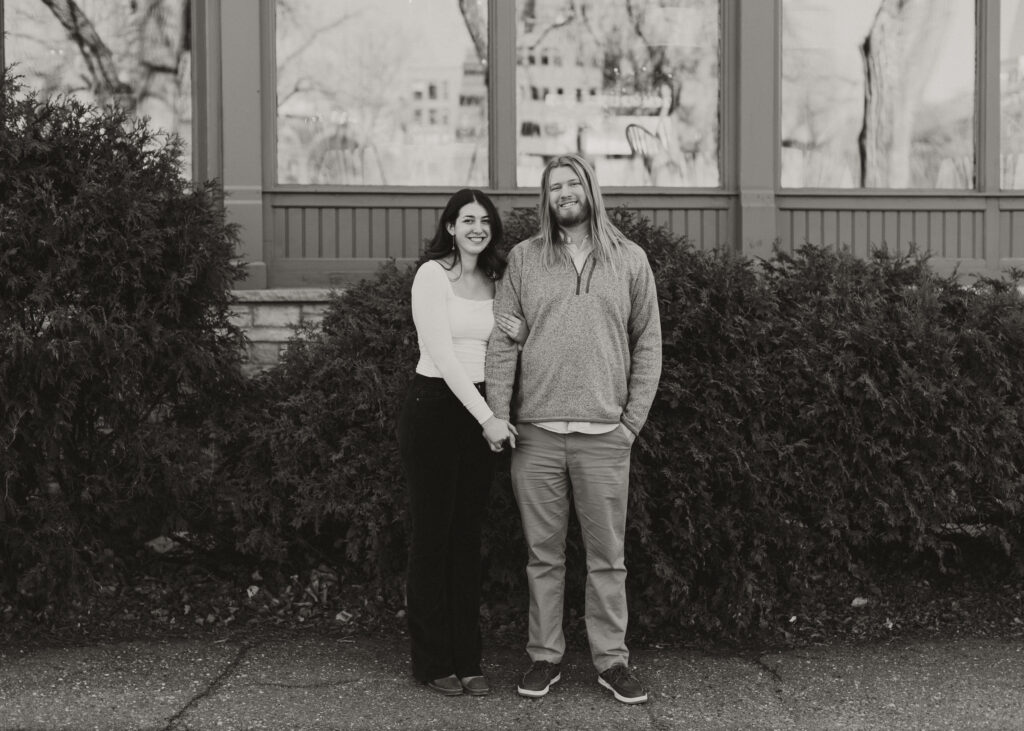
column 269, row 318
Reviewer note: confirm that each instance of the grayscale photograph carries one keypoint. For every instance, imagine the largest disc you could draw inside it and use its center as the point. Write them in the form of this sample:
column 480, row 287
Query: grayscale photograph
column 499, row 365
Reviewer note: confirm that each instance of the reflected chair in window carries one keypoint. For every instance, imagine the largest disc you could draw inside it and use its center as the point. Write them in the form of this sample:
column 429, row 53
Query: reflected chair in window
column 955, row 173
column 657, row 161
column 1012, row 170
column 341, row 159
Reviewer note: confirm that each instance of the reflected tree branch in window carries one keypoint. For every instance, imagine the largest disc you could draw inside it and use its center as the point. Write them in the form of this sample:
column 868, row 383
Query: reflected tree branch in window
column 162, row 30
column 165, row 40
column 308, row 42
column 98, row 58
column 476, row 23
column 301, row 85
column 529, row 11
column 656, row 59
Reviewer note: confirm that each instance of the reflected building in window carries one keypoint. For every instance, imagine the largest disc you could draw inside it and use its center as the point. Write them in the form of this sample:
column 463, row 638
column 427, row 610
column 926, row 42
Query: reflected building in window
column 448, row 103
column 432, row 104
column 556, row 103
column 471, row 117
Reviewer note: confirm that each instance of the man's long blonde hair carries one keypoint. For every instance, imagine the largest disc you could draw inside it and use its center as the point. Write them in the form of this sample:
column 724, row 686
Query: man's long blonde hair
column 607, row 240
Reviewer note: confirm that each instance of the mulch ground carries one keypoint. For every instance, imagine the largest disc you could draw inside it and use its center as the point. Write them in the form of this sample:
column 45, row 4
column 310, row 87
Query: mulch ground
column 189, row 598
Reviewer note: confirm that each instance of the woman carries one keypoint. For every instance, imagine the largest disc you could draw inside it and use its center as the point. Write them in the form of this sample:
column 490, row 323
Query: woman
column 448, row 464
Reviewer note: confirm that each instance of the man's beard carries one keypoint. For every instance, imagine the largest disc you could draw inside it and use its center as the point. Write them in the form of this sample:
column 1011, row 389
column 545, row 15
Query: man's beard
column 575, row 216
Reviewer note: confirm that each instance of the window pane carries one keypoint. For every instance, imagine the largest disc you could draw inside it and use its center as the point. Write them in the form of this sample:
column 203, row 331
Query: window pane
column 633, row 86
column 1011, row 78
column 382, row 92
column 878, row 94
column 131, row 53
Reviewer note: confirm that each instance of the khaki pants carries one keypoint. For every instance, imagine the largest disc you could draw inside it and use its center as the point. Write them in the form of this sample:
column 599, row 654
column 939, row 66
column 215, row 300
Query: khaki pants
column 595, row 467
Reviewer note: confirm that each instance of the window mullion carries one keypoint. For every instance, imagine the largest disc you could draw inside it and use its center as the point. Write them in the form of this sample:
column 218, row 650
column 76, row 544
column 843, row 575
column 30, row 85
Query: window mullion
column 3, row 34
column 988, row 101
column 501, row 103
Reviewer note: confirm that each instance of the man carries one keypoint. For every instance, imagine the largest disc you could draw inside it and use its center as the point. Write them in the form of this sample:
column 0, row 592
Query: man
column 589, row 370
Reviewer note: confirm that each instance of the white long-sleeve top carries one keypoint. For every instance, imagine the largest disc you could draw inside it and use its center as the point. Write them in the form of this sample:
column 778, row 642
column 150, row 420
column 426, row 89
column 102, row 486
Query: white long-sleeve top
column 452, row 333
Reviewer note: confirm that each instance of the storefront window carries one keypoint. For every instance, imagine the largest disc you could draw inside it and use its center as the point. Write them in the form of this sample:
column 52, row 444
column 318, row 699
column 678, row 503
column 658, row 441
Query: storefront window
column 382, row 92
column 1011, row 82
column 633, row 86
column 878, row 94
column 134, row 54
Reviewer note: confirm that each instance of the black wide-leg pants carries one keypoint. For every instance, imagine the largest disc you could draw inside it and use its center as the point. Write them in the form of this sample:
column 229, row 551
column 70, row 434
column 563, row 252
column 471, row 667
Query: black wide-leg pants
column 449, row 468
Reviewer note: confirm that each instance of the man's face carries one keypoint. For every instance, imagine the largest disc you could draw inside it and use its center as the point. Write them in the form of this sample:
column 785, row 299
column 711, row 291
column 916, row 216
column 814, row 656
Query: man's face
column 567, row 198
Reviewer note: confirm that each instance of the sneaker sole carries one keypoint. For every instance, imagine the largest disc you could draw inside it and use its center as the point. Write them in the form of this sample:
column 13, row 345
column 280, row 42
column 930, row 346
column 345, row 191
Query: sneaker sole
column 621, row 698
column 527, row 693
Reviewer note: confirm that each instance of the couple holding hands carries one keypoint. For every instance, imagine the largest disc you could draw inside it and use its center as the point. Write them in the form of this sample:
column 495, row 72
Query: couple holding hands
column 575, row 307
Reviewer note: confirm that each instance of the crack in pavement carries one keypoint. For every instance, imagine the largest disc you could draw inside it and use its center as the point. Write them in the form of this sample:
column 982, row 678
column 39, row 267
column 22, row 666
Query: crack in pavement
column 759, row 662
column 214, row 685
column 656, row 722
column 778, row 685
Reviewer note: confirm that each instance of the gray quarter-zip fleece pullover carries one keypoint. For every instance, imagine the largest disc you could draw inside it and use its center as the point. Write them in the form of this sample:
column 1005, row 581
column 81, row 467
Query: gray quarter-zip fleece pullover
column 594, row 348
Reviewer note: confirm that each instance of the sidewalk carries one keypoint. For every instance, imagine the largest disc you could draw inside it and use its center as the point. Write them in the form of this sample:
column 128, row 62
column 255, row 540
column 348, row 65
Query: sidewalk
column 314, row 682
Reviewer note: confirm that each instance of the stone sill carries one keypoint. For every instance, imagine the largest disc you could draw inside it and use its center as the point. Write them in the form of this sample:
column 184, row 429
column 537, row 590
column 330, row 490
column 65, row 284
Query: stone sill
column 282, row 296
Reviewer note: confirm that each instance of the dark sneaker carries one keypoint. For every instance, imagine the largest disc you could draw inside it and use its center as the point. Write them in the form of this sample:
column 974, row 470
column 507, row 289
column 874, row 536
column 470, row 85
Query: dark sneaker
column 537, row 681
column 620, row 681
column 446, row 686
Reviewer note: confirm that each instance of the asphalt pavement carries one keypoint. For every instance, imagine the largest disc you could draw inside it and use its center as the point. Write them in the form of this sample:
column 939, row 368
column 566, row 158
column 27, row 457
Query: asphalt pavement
column 309, row 681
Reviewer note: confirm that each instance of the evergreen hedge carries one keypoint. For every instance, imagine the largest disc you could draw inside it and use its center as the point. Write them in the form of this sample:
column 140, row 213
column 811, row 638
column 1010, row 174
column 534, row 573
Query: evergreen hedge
column 115, row 279
column 820, row 419
column 820, row 422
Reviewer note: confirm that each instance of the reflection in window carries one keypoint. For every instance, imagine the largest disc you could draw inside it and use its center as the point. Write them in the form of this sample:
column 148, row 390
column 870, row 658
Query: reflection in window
column 652, row 71
column 1011, row 81
column 878, row 94
column 136, row 55
column 382, row 92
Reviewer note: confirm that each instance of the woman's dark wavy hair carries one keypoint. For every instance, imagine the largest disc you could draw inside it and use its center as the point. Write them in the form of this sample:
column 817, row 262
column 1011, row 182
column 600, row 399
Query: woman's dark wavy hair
column 491, row 261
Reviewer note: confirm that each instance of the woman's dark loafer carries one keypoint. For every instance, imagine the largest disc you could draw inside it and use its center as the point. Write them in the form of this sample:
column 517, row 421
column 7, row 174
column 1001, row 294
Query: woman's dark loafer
column 475, row 685
column 446, row 686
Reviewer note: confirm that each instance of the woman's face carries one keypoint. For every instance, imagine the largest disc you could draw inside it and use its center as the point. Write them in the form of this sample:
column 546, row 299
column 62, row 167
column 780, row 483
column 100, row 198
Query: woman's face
column 471, row 229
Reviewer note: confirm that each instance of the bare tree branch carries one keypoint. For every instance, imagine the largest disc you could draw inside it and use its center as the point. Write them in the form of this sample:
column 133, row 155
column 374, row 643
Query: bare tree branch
column 476, row 24
column 313, row 36
column 566, row 20
column 98, row 58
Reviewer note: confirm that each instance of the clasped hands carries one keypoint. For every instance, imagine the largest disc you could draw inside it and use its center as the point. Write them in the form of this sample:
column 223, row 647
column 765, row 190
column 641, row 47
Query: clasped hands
column 498, row 433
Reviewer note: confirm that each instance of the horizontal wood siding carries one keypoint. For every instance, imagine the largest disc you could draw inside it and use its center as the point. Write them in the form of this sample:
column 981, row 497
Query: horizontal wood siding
column 953, row 232
column 302, row 232
column 324, row 239
column 947, row 229
column 704, row 228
